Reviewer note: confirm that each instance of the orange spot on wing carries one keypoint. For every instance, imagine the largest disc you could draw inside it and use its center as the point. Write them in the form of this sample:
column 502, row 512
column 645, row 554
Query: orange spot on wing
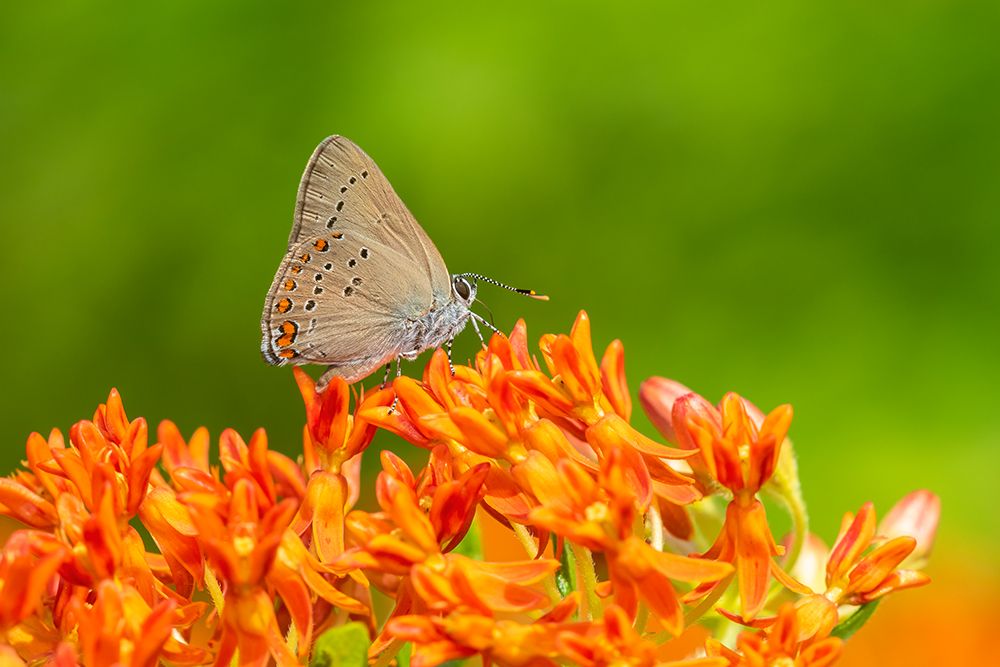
column 296, row 269
column 305, row 257
column 284, row 305
column 322, row 245
column 289, row 331
column 288, row 354
column 289, row 285
column 338, row 235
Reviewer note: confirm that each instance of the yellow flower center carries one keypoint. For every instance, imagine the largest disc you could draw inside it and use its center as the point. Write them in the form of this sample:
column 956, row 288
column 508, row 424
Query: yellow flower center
column 243, row 545
column 596, row 512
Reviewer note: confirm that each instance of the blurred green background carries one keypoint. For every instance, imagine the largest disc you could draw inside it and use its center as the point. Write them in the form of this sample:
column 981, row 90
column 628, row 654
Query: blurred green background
column 800, row 204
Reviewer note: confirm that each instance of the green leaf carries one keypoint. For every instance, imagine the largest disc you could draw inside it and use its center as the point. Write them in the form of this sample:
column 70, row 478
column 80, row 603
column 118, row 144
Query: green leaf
column 344, row 646
column 855, row 621
column 564, row 575
column 471, row 545
column 403, row 657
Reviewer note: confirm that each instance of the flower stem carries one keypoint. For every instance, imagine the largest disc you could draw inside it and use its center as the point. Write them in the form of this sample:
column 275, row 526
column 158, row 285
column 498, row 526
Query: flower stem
column 531, row 547
column 785, row 487
column 586, row 579
column 800, row 523
column 708, row 601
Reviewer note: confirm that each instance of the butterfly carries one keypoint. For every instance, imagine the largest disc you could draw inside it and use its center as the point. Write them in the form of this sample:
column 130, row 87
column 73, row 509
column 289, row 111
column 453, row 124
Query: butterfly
column 361, row 284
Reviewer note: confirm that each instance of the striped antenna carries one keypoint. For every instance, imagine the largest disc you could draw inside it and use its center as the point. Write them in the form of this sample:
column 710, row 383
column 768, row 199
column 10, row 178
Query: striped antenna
column 526, row 292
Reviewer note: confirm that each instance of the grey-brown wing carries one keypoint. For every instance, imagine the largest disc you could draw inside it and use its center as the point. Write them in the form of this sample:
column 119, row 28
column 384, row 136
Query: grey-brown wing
column 343, row 189
column 342, row 299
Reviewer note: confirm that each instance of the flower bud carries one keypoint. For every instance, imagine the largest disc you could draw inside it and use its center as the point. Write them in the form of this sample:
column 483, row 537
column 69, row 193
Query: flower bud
column 916, row 516
column 657, row 396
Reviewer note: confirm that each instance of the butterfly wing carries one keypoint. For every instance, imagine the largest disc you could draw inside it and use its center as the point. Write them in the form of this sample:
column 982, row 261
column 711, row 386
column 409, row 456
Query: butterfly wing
column 343, row 189
column 358, row 272
column 342, row 301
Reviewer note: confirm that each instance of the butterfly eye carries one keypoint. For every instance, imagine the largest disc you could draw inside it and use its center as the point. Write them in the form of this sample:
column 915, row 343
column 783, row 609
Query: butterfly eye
column 462, row 288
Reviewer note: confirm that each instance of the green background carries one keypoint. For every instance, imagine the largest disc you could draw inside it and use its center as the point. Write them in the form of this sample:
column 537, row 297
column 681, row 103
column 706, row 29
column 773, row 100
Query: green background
column 798, row 203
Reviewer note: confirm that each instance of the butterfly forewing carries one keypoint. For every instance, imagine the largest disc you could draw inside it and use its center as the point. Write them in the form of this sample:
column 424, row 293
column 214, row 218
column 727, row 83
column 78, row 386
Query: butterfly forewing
column 342, row 188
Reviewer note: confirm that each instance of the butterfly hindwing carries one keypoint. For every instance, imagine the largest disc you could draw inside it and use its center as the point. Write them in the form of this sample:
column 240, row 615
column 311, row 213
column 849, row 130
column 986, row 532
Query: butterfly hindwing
column 342, row 300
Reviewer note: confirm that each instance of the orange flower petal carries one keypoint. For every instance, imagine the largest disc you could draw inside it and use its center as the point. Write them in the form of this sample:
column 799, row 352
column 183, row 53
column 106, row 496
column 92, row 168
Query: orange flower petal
column 877, row 565
column 479, row 434
column 753, row 562
column 323, row 509
column 615, row 429
column 401, row 503
column 851, row 544
column 896, row 581
column 613, row 380
column 538, row 387
column 19, row 502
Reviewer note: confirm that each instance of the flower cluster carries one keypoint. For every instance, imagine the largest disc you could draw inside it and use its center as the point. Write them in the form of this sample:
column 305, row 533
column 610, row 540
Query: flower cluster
column 132, row 554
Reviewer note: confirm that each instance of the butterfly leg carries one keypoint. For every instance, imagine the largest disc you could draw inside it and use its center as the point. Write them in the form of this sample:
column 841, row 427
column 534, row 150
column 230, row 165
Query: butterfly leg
column 475, row 325
column 399, row 371
column 385, row 379
column 447, row 349
column 476, row 321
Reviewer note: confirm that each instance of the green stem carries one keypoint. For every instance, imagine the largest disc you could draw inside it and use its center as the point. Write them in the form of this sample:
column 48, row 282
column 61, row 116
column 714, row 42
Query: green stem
column 784, row 485
column 531, row 547
column 586, row 579
column 800, row 523
column 706, row 604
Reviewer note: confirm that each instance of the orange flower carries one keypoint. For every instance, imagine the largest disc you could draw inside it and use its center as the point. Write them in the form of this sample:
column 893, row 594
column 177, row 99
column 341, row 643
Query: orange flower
column 257, row 557
column 332, row 441
column 741, row 456
column 28, row 563
column 332, row 432
column 505, row 407
column 508, row 391
column 241, row 542
column 544, row 448
column 95, row 486
column 599, row 515
column 579, row 392
column 852, row 577
column 613, row 641
column 412, row 535
column 780, row 645
column 506, row 643
column 120, row 628
column 109, row 450
column 405, row 548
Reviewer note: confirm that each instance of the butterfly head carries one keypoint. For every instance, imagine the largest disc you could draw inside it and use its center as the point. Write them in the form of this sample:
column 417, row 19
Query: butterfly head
column 463, row 289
